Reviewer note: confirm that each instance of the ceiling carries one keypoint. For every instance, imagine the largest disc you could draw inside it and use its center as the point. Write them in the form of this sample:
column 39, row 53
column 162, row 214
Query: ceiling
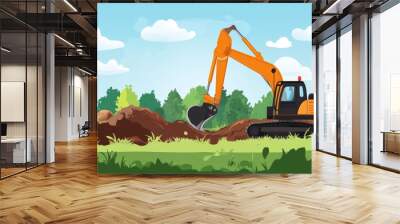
column 75, row 22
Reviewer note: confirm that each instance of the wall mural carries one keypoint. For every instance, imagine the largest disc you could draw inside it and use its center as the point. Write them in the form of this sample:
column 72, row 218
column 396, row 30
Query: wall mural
column 204, row 88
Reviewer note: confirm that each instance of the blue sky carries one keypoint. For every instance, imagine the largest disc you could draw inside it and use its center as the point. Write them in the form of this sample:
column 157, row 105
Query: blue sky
column 169, row 46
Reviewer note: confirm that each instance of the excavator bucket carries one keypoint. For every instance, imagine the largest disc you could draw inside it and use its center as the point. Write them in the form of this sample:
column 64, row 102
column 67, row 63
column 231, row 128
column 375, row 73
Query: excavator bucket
column 198, row 115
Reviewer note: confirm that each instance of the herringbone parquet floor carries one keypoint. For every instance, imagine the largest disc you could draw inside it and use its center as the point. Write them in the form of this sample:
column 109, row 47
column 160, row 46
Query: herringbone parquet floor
column 70, row 191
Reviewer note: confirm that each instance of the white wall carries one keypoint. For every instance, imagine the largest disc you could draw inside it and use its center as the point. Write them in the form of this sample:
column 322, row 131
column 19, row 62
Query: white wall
column 14, row 73
column 71, row 102
column 33, row 127
column 61, row 103
column 80, row 110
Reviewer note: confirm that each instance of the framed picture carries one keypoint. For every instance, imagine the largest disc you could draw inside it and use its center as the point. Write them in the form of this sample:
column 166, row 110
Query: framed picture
column 204, row 88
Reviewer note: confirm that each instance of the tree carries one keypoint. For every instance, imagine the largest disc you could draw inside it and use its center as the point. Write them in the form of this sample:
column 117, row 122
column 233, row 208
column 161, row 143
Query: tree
column 108, row 101
column 126, row 98
column 194, row 97
column 173, row 107
column 260, row 108
column 149, row 100
column 237, row 107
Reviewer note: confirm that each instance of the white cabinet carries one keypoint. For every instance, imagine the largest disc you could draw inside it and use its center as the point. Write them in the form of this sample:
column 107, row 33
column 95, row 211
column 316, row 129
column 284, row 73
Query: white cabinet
column 17, row 148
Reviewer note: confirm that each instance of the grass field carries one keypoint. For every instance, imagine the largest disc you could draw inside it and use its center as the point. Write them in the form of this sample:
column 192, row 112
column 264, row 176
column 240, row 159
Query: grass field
column 184, row 156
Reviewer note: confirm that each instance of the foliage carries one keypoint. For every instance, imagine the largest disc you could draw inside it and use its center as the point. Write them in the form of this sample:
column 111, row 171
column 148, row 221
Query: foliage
column 115, row 140
column 173, row 107
column 126, row 98
column 294, row 161
column 260, row 108
column 108, row 101
column 194, row 97
column 232, row 107
column 149, row 100
column 237, row 107
column 265, row 152
column 153, row 167
column 109, row 157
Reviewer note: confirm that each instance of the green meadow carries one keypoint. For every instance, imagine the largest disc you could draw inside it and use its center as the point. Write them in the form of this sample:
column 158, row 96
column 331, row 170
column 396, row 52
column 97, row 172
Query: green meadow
column 187, row 156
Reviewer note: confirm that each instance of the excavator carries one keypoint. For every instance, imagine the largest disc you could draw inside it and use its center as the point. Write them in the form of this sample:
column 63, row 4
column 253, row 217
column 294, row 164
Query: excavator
column 292, row 109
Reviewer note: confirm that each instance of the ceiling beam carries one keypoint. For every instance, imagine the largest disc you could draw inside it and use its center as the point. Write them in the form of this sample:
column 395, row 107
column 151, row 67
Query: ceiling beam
column 338, row 6
column 77, row 61
column 84, row 24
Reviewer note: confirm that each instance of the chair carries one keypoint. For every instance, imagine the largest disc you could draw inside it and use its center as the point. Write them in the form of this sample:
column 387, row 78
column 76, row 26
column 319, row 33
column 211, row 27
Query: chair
column 84, row 130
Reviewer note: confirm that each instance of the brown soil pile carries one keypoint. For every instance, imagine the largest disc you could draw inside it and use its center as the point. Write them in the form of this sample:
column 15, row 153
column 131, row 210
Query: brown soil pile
column 138, row 124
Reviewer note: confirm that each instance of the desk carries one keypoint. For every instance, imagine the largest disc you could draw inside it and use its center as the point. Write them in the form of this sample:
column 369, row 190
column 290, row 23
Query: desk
column 13, row 150
column 391, row 141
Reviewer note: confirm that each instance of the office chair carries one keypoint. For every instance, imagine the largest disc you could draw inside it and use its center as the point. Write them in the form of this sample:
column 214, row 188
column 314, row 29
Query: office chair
column 84, row 130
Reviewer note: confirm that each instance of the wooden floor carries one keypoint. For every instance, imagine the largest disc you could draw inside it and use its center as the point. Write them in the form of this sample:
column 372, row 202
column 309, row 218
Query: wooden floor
column 70, row 191
column 5, row 172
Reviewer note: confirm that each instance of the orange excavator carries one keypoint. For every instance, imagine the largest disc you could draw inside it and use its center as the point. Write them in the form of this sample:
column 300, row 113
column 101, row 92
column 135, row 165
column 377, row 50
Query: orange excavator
column 292, row 109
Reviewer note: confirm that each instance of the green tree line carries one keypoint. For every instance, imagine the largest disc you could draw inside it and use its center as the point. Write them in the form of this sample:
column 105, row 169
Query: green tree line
column 233, row 107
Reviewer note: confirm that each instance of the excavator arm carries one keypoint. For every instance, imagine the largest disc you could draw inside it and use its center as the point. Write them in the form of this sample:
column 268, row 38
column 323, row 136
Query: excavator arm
column 224, row 51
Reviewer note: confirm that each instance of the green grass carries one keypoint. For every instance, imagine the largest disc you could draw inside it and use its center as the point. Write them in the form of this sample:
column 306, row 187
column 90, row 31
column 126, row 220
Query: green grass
column 198, row 156
column 183, row 145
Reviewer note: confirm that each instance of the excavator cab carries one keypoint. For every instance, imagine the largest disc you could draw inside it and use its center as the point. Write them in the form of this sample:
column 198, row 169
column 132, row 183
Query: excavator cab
column 288, row 97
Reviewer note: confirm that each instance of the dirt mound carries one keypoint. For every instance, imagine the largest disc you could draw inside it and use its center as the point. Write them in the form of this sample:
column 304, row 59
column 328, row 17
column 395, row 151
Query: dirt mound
column 103, row 115
column 234, row 131
column 138, row 124
column 133, row 123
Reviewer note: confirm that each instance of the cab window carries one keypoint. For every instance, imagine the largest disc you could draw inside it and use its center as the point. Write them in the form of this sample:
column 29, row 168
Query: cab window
column 301, row 91
column 288, row 94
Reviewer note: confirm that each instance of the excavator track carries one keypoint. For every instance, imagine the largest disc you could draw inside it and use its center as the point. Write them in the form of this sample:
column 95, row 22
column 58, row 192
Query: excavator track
column 276, row 128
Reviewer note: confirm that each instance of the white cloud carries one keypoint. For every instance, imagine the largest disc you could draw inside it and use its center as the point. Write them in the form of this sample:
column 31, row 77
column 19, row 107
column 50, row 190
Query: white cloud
column 166, row 31
column 291, row 69
column 112, row 67
column 282, row 42
column 103, row 43
column 302, row 34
